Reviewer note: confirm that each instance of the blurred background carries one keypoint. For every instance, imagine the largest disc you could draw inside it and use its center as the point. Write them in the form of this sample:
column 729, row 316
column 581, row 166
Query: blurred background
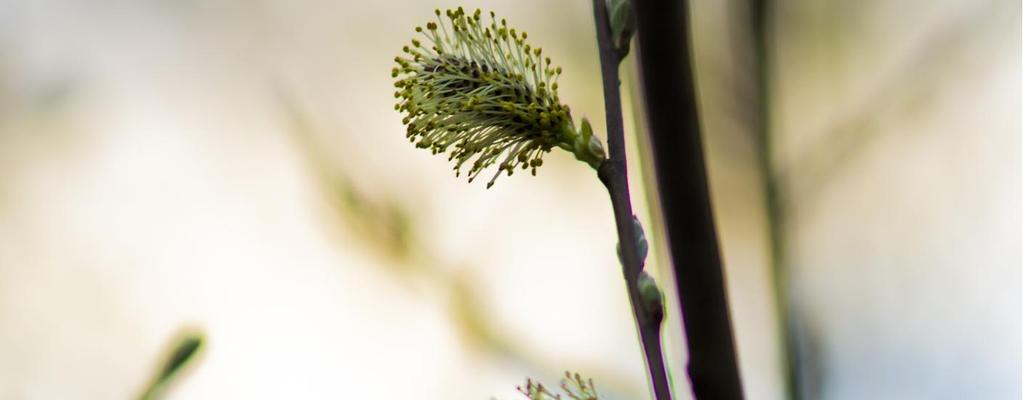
column 237, row 168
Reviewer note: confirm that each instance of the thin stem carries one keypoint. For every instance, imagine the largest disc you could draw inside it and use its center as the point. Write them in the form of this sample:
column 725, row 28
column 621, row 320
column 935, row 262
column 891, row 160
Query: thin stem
column 614, row 175
column 671, row 109
column 774, row 209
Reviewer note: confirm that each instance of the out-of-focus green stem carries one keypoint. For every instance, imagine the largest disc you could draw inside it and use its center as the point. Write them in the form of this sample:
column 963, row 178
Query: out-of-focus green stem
column 771, row 185
column 186, row 347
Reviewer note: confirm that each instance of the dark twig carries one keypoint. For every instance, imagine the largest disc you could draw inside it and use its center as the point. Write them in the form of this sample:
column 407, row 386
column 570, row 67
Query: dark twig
column 613, row 174
column 670, row 101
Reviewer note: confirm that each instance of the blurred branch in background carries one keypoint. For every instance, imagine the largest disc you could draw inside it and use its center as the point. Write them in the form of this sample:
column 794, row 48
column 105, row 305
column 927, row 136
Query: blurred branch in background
column 187, row 345
column 901, row 95
column 904, row 93
column 384, row 227
column 798, row 361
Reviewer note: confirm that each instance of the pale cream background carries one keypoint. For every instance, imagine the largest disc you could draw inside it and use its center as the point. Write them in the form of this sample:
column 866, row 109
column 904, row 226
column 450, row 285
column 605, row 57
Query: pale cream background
column 169, row 164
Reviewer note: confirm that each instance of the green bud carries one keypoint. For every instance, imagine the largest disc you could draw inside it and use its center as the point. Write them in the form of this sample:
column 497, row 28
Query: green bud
column 587, row 148
column 623, row 24
column 652, row 297
column 642, row 246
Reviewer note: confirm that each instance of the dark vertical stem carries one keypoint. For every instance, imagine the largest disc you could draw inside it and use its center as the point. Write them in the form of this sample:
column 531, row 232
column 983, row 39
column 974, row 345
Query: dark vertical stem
column 670, row 101
column 614, row 175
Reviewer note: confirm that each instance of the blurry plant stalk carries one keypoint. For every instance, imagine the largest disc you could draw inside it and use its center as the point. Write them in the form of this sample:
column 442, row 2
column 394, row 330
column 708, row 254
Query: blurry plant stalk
column 186, row 348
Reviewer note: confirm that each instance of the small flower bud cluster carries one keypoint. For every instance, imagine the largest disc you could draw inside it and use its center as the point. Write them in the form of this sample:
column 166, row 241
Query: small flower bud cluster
column 481, row 92
column 572, row 384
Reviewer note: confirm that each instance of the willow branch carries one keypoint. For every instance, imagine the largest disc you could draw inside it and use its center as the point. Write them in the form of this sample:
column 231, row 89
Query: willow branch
column 614, row 175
